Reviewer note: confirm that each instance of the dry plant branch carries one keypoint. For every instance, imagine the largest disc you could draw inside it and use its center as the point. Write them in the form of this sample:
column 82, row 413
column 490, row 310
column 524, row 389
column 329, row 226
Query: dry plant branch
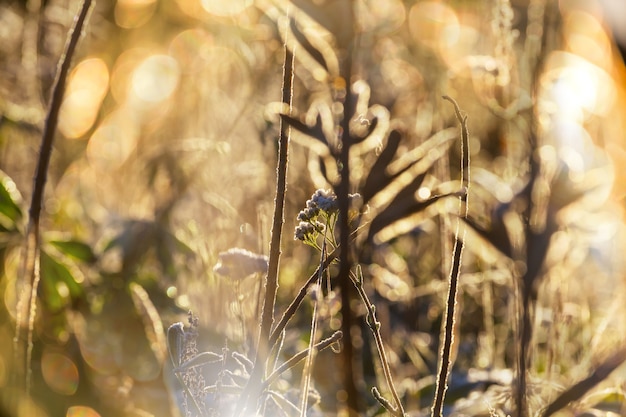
column 294, row 360
column 308, row 366
column 395, row 409
column 295, row 303
column 459, row 243
column 250, row 394
column 30, row 265
column 581, row 388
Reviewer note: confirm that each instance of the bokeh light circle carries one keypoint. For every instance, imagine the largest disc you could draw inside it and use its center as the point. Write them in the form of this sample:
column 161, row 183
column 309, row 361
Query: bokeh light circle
column 81, row 411
column 87, row 87
column 60, row 373
column 156, row 78
column 225, row 8
column 434, row 24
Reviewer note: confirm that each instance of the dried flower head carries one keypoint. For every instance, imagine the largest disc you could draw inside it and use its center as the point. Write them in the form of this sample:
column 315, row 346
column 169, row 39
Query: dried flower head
column 326, row 200
column 239, row 263
column 308, row 231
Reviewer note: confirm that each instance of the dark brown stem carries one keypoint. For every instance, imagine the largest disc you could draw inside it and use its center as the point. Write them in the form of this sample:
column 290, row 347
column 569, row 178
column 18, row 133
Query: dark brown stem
column 250, row 395
column 30, row 268
column 291, row 309
column 345, row 261
column 56, row 99
column 579, row 389
column 395, row 409
column 448, row 335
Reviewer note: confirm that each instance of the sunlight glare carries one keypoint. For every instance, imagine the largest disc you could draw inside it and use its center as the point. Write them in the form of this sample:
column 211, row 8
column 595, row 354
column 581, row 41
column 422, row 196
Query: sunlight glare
column 156, row 78
column 131, row 14
column 87, row 87
column 225, row 8
column 434, row 24
column 576, row 87
column 586, row 37
column 81, row 411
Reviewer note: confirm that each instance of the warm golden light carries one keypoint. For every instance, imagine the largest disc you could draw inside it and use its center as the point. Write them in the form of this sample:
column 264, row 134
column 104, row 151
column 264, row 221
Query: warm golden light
column 576, row 87
column 585, row 37
column 113, row 141
column 382, row 16
column 156, row 78
column 133, row 13
column 81, row 411
column 189, row 48
column 88, row 85
column 434, row 24
column 225, row 8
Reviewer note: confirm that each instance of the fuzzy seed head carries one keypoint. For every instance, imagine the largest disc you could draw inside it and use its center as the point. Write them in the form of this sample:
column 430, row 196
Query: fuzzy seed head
column 239, row 263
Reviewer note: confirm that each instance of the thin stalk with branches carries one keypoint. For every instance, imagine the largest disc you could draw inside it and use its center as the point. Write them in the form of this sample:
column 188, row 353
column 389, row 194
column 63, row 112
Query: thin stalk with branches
column 445, row 361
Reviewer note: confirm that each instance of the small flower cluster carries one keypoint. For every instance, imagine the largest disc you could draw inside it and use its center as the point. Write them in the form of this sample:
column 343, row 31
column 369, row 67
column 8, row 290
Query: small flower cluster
column 321, row 200
column 323, row 204
column 321, row 212
column 305, row 230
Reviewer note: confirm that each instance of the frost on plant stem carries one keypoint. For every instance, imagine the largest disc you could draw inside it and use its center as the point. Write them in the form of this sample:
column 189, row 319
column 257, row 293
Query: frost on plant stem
column 182, row 346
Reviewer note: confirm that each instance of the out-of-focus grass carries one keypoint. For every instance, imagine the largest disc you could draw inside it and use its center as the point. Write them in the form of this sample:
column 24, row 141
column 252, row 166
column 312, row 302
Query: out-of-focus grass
column 165, row 157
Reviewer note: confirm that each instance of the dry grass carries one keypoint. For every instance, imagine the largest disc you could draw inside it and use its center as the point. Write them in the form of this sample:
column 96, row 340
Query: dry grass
column 170, row 189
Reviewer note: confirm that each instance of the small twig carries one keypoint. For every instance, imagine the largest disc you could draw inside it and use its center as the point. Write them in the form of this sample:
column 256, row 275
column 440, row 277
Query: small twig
column 295, row 359
column 374, row 325
column 308, row 365
column 295, row 303
column 579, row 389
column 455, row 271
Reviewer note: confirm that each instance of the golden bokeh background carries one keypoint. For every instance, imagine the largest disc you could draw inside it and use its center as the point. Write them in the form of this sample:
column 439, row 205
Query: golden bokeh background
column 165, row 157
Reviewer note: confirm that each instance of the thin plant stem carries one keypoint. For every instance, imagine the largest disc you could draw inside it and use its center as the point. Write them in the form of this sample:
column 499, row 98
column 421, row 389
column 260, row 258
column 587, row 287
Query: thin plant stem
column 374, row 325
column 251, row 392
column 295, row 303
column 295, row 359
column 445, row 362
column 579, row 389
column 30, row 266
column 308, row 365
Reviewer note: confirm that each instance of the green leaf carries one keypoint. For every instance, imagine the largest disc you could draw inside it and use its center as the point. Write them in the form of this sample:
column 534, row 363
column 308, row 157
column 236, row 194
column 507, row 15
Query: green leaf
column 53, row 273
column 75, row 249
column 9, row 198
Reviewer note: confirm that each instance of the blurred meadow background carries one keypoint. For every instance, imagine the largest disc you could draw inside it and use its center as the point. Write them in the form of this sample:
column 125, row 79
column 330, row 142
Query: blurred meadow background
column 162, row 181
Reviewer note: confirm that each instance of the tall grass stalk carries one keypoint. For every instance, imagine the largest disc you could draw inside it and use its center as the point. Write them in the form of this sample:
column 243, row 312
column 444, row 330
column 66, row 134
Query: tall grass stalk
column 250, row 394
column 445, row 361
column 30, row 265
